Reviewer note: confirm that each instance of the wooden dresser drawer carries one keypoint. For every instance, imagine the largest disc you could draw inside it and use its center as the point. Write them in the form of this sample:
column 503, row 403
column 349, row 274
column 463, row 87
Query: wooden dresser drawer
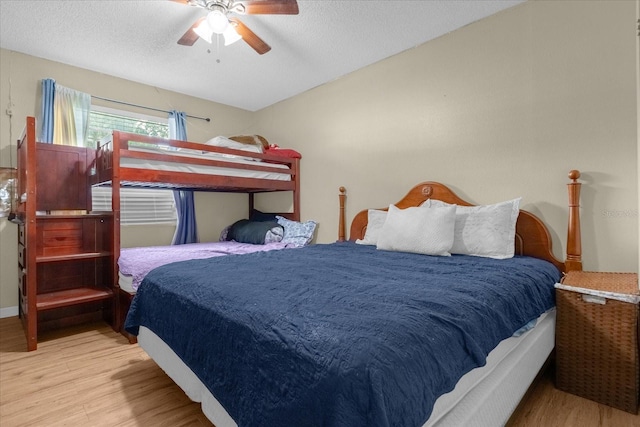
column 21, row 234
column 59, row 237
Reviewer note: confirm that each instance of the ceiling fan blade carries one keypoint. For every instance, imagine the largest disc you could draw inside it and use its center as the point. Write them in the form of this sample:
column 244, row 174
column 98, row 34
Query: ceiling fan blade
column 250, row 37
column 271, row 7
column 190, row 37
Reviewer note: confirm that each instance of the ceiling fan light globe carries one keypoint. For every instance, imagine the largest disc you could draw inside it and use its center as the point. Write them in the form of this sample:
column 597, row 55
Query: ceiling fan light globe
column 204, row 31
column 217, row 21
column 231, row 35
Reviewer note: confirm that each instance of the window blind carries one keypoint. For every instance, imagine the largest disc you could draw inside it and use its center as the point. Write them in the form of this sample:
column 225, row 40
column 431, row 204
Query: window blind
column 138, row 205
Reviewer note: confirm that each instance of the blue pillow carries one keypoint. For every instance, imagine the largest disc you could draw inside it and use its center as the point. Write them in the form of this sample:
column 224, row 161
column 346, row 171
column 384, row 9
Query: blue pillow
column 297, row 233
column 256, row 215
column 255, row 232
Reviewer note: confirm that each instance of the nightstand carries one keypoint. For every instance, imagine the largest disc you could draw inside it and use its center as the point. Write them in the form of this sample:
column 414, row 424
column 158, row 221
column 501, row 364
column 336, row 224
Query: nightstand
column 597, row 337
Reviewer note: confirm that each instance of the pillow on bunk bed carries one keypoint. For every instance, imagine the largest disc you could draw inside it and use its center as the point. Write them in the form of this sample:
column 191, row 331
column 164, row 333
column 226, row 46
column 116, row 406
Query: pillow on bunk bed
column 486, row 231
column 223, row 142
column 252, row 140
column 297, row 233
column 255, row 232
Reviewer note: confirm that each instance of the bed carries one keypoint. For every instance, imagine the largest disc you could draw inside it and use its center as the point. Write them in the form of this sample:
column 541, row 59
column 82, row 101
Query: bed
column 127, row 159
column 130, row 160
column 346, row 334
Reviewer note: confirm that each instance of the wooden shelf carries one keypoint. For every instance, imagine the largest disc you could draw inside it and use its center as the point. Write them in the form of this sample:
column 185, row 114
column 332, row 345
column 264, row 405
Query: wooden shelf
column 72, row 257
column 65, row 252
column 51, row 300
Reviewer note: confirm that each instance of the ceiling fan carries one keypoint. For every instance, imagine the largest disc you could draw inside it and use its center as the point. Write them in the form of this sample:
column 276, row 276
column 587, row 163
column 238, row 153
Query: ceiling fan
column 218, row 21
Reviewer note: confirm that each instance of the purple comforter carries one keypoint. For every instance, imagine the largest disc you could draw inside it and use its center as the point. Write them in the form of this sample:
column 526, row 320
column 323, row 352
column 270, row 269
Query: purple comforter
column 137, row 262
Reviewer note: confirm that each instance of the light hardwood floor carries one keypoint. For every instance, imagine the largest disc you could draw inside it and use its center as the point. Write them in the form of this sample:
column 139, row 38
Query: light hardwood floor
column 91, row 376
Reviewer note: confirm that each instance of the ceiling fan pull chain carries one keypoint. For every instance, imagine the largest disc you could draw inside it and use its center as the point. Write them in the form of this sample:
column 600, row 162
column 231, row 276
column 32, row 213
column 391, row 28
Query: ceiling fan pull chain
column 218, row 48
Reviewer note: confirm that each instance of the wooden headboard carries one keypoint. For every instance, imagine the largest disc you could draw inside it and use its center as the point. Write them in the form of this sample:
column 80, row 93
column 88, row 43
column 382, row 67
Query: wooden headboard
column 532, row 237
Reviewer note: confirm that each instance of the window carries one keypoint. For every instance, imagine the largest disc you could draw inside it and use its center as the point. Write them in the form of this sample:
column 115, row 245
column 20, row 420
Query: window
column 103, row 120
column 137, row 206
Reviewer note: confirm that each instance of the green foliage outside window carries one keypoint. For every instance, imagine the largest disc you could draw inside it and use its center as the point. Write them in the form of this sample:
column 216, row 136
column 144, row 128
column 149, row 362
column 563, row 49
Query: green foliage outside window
column 102, row 124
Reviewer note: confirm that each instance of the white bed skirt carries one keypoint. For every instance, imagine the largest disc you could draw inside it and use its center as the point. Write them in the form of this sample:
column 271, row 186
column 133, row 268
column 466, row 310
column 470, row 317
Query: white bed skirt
column 126, row 283
column 484, row 397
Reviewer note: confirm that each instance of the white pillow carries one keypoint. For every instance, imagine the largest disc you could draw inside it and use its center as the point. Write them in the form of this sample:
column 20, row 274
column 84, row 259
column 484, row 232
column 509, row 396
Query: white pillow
column 418, row 230
column 221, row 141
column 375, row 222
column 487, row 231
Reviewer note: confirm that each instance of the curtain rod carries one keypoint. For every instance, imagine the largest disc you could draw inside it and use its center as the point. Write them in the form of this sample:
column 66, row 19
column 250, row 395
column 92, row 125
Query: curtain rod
column 147, row 108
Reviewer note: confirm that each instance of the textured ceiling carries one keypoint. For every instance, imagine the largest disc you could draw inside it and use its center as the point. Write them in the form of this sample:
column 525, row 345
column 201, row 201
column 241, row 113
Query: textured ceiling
column 136, row 40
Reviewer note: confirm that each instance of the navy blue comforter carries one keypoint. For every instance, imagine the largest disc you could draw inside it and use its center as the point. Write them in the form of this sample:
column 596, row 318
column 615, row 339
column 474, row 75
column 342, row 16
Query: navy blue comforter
column 339, row 334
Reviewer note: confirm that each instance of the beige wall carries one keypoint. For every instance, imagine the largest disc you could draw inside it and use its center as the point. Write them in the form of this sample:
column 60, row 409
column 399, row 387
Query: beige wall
column 501, row 108
column 638, row 102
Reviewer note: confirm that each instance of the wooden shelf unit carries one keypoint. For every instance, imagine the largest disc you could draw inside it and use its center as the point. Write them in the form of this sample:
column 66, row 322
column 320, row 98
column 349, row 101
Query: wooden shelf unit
column 65, row 253
column 51, row 300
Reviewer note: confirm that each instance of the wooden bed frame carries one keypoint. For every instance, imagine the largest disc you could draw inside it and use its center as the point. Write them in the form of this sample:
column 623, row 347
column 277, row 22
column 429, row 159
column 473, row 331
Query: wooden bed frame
column 109, row 171
column 532, row 237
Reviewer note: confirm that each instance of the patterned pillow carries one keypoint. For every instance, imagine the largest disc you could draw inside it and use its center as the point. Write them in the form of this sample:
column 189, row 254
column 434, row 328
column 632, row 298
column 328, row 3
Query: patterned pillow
column 224, row 233
column 297, row 233
column 274, row 235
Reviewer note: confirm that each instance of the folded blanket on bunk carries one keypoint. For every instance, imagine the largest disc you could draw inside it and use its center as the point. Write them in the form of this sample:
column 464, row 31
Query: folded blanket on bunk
column 138, row 262
column 339, row 334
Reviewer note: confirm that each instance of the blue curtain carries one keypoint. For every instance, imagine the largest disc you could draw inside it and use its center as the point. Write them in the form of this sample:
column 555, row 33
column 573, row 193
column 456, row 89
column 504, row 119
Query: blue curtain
column 46, row 115
column 186, row 231
column 177, row 125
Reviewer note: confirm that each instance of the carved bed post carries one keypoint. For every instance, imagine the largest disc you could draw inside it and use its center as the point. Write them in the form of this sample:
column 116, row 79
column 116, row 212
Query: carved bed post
column 341, row 219
column 574, row 243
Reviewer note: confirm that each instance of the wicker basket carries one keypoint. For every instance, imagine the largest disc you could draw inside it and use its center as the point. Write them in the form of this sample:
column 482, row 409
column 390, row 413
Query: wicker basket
column 597, row 338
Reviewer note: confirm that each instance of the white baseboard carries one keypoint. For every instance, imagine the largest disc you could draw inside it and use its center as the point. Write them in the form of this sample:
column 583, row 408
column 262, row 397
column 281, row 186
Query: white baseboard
column 8, row 312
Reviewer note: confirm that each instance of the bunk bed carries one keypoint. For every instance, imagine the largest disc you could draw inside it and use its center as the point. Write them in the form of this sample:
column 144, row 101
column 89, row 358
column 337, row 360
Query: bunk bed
column 68, row 255
column 130, row 160
column 344, row 334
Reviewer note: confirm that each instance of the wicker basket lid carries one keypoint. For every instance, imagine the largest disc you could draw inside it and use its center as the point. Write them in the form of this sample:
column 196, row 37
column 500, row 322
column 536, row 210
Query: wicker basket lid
column 623, row 283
